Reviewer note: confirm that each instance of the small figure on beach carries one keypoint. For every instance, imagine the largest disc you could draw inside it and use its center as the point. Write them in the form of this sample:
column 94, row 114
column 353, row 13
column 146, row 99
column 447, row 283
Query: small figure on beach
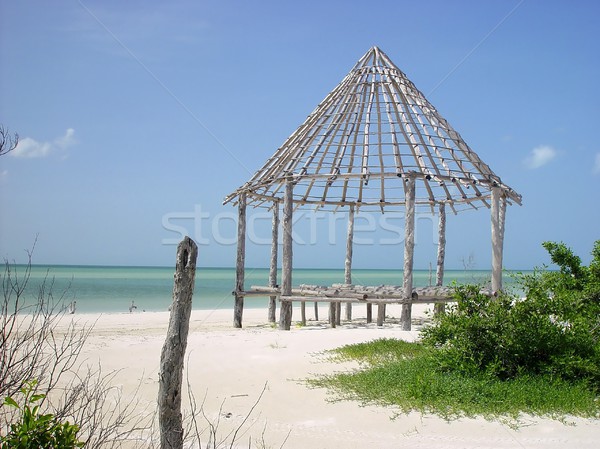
column 72, row 307
column 132, row 307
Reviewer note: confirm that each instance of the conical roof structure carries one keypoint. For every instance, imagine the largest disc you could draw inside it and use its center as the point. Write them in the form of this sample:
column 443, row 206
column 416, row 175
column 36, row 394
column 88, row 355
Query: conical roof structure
column 369, row 134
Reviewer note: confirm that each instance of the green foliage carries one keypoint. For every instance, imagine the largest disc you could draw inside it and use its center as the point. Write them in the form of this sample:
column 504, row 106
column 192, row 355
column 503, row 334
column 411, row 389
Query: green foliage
column 573, row 278
column 35, row 430
column 494, row 356
column 378, row 351
column 407, row 376
column 554, row 331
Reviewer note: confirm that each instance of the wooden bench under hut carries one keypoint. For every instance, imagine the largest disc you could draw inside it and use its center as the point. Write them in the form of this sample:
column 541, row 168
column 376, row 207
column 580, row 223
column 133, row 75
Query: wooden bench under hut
column 338, row 294
column 375, row 143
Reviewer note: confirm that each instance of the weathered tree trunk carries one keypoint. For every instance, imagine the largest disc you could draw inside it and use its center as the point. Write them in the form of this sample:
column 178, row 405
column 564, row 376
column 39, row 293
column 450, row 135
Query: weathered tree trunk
column 441, row 256
column 240, row 262
column 348, row 263
column 497, row 238
column 381, row 314
column 273, row 268
column 332, row 314
column 501, row 223
column 173, row 351
column 285, row 310
column 409, row 248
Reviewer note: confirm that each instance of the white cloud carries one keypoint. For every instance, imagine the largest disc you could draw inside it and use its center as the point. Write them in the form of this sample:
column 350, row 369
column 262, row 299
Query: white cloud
column 30, row 148
column 596, row 169
column 540, row 156
column 67, row 140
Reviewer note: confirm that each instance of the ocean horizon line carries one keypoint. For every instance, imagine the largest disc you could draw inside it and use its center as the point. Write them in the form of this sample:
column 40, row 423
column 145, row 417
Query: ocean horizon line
column 67, row 265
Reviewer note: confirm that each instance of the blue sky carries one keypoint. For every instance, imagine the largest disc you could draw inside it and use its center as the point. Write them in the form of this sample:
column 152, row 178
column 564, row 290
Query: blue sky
column 137, row 118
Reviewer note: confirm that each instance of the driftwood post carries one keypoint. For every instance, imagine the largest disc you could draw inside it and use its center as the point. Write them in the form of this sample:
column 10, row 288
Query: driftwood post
column 173, row 351
column 285, row 310
column 238, row 310
column 348, row 263
column 497, row 238
column 338, row 313
column 303, row 313
column 441, row 255
column 381, row 314
column 273, row 268
column 409, row 248
column 332, row 314
column 501, row 222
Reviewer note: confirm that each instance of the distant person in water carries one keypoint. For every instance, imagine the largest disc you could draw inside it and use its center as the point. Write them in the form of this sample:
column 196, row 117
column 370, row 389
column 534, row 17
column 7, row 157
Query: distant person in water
column 72, row 307
column 132, row 307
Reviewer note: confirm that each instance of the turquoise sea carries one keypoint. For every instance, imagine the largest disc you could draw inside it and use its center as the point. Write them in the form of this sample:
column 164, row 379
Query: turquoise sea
column 111, row 289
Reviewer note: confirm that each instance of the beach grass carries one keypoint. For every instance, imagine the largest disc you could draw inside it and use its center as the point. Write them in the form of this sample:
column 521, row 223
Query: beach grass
column 405, row 375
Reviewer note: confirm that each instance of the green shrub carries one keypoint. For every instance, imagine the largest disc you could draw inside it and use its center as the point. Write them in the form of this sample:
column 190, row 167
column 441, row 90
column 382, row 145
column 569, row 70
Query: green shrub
column 34, row 430
column 406, row 375
column 553, row 331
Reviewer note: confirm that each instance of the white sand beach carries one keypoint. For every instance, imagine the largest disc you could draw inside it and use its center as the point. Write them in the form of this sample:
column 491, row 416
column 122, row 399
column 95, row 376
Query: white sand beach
column 228, row 368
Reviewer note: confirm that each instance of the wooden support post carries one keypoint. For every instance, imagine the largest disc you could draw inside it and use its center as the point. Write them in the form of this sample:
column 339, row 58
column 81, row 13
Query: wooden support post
column 332, row 313
column 409, row 249
column 441, row 255
column 501, row 221
column 381, row 314
column 497, row 237
column 303, row 313
column 338, row 313
column 285, row 311
column 238, row 309
column 273, row 268
column 316, row 311
column 348, row 264
column 173, row 351
column 369, row 312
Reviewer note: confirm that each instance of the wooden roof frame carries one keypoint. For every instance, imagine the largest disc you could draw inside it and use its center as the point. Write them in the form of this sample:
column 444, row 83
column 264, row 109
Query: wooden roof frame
column 372, row 130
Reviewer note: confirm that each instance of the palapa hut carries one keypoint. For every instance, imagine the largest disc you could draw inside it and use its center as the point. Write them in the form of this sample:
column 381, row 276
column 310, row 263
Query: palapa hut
column 374, row 143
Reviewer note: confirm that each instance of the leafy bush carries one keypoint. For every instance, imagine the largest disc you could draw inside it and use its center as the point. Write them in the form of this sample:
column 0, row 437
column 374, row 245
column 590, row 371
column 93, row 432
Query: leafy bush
column 34, row 430
column 406, row 375
column 554, row 331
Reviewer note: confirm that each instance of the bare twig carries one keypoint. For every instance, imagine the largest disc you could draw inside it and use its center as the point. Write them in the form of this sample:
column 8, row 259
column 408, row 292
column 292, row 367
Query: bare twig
column 35, row 347
column 8, row 142
column 233, row 440
column 214, row 441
